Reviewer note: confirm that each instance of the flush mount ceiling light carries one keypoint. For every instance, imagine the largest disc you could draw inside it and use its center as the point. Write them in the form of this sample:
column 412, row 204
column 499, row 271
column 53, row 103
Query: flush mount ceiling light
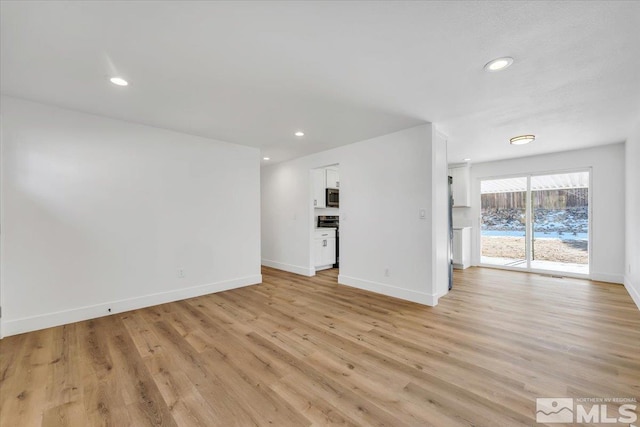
column 299, row 133
column 467, row 159
column 522, row 139
column 498, row 64
column 119, row 81
column 266, row 158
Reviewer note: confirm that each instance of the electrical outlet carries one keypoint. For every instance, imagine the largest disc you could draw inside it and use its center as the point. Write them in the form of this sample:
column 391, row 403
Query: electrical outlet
column 181, row 273
column 386, row 272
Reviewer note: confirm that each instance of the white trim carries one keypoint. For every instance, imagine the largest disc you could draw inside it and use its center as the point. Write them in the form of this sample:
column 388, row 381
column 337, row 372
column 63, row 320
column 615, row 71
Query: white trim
column 607, row 277
column 42, row 321
column 633, row 291
column 536, row 271
column 460, row 266
column 392, row 291
column 529, row 225
column 297, row 269
column 597, row 277
column 438, row 296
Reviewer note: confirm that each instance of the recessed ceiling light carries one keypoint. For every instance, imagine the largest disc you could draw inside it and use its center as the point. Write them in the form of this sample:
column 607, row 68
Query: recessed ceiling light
column 266, row 158
column 498, row 64
column 299, row 133
column 522, row 139
column 119, row 81
column 467, row 159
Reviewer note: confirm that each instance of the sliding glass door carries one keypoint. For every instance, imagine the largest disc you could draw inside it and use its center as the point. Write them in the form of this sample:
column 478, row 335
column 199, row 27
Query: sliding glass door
column 536, row 222
column 504, row 222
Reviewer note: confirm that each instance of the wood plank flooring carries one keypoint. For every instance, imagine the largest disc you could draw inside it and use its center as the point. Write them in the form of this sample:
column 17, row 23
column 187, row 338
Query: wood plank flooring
column 298, row 351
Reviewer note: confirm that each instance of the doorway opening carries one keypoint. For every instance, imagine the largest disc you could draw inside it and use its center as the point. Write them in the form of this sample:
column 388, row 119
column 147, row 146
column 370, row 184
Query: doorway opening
column 537, row 222
column 325, row 250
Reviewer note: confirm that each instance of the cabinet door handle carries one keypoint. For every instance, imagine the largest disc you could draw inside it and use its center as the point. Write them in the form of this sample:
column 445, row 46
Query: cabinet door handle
column 315, row 202
column 324, row 243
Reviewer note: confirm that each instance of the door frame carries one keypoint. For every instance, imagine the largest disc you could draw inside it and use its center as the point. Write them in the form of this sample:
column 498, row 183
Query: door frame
column 529, row 224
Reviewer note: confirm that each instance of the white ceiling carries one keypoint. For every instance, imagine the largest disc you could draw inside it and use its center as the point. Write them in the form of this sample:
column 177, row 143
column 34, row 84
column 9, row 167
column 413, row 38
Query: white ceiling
column 255, row 72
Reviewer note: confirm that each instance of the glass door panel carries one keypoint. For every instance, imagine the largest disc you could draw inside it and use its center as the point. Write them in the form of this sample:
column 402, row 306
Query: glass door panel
column 504, row 222
column 560, row 214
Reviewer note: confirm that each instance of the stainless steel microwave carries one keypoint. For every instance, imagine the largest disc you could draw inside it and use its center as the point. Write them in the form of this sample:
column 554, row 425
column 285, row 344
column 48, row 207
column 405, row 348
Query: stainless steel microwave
column 333, row 198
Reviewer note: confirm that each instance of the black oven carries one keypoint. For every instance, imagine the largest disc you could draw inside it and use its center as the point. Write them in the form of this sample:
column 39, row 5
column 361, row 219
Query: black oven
column 333, row 198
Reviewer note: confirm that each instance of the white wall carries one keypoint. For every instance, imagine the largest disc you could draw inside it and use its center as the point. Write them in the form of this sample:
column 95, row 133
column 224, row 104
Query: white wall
column 607, row 222
column 384, row 183
column 632, row 219
column 440, row 214
column 100, row 213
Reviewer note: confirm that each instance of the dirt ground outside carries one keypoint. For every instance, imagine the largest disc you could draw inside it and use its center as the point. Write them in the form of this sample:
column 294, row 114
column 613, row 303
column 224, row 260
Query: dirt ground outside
column 567, row 251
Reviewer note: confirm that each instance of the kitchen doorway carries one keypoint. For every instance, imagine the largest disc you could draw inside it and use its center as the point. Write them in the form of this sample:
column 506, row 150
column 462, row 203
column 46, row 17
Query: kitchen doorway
column 537, row 222
column 325, row 249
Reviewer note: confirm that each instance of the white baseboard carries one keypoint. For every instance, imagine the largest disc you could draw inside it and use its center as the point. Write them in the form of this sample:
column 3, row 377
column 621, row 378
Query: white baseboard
column 304, row 271
column 43, row 321
column 607, row 277
column 392, row 291
column 634, row 291
column 440, row 295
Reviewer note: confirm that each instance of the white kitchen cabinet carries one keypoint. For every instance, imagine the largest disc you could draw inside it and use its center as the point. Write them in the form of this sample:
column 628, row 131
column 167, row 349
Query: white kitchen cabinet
column 319, row 188
column 333, row 178
column 324, row 248
column 462, row 247
column 461, row 187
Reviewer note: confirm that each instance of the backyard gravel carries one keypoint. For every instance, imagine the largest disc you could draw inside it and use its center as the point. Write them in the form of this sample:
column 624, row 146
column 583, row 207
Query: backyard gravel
column 568, row 251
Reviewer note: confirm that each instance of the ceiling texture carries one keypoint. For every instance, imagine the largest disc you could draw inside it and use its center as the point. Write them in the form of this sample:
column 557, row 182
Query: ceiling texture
column 253, row 73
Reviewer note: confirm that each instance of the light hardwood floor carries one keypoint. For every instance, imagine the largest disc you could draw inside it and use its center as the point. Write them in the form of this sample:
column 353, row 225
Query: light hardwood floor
column 299, row 351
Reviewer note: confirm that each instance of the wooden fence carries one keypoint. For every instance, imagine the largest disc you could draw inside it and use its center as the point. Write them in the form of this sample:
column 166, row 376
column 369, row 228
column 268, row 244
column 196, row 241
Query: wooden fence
column 542, row 199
